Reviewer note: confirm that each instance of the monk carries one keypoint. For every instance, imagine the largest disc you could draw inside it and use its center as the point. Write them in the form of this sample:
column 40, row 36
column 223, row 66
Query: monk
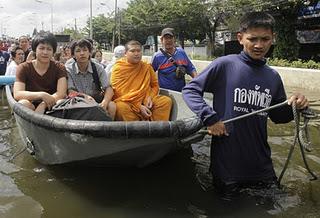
column 136, row 88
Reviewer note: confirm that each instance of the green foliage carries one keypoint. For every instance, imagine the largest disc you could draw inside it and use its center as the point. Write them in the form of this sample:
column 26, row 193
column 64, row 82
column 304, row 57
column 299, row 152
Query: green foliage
column 102, row 28
column 137, row 22
column 297, row 63
column 285, row 13
column 73, row 33
column 287, row 45
column 201, row 58
column 149, row 17
column 310, row 64
column 197, row 20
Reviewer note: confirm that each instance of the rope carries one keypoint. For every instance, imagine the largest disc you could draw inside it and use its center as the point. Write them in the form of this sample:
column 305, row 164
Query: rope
column 18, row 153
column 205, row 131
column 298, row 137
column 300, row 130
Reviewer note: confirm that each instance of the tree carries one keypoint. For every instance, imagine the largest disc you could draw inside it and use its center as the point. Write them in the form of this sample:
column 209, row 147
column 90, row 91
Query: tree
column 102, row 28
column 199, row 19
column 74, row 34
column 141, row 18
column 287, row 45
column 284, row 11
column 149, row 17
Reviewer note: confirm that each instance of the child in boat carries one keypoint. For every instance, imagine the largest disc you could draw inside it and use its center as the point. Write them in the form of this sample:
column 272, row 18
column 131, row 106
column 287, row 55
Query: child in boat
column 242, row 83
column 41, row 82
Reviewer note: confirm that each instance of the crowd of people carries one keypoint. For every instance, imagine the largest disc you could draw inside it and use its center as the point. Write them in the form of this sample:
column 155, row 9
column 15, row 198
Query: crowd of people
column 46, row 73
column 127, row 88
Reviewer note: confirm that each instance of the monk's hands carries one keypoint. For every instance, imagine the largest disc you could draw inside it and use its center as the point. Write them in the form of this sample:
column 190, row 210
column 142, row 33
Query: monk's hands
column 217, row 129
column 300, row 101
column 145, row 112
column 146, row 108
column 149, row 103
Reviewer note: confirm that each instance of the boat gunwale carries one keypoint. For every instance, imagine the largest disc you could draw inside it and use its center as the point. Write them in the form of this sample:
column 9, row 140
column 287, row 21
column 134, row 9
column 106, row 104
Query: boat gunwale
column 180, row 128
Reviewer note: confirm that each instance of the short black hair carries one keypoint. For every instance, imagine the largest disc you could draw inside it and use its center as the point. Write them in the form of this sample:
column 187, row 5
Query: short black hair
column 255, row 20
column 82, row 43
column 44, row 38
column 132, row 42
column 14, row 51
column 90, row 40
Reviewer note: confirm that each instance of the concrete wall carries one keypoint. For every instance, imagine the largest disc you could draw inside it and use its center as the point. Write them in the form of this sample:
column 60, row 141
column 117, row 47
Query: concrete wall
column 292, row 77
column 300, row 77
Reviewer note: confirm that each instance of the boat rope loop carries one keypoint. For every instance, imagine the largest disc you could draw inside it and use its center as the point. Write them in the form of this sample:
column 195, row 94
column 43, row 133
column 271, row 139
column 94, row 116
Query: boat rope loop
column 29, row 147
column 301, row 137
column 18, row 153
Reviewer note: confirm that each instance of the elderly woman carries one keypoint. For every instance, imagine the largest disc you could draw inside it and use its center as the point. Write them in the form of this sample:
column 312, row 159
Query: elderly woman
column 41, row 82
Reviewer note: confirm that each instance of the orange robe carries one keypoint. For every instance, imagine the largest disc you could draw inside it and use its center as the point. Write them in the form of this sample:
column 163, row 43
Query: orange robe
column 132, row 85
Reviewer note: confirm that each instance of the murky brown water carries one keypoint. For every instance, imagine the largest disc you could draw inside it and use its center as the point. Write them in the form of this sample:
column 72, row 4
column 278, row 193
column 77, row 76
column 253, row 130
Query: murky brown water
column 172, row 187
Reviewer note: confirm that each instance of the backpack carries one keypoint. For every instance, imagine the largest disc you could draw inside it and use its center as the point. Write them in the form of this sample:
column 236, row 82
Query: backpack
column 77, row 107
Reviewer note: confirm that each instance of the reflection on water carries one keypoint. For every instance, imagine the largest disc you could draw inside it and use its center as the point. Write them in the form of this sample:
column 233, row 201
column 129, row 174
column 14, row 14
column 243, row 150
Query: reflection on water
column 177, row 186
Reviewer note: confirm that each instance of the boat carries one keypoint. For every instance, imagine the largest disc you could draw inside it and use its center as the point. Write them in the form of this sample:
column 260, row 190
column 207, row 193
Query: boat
column 54, row 141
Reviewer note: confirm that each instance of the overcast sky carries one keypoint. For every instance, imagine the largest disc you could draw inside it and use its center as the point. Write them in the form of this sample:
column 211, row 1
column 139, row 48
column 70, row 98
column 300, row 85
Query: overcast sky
column 20, row 17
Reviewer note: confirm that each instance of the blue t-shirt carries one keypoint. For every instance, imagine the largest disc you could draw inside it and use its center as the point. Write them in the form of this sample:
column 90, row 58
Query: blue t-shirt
column 166, row 69
column 4, row 58
column 240, row 85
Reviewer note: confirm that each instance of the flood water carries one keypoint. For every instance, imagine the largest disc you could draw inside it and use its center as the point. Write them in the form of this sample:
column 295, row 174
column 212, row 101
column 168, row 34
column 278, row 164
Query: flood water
column 177, row 186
